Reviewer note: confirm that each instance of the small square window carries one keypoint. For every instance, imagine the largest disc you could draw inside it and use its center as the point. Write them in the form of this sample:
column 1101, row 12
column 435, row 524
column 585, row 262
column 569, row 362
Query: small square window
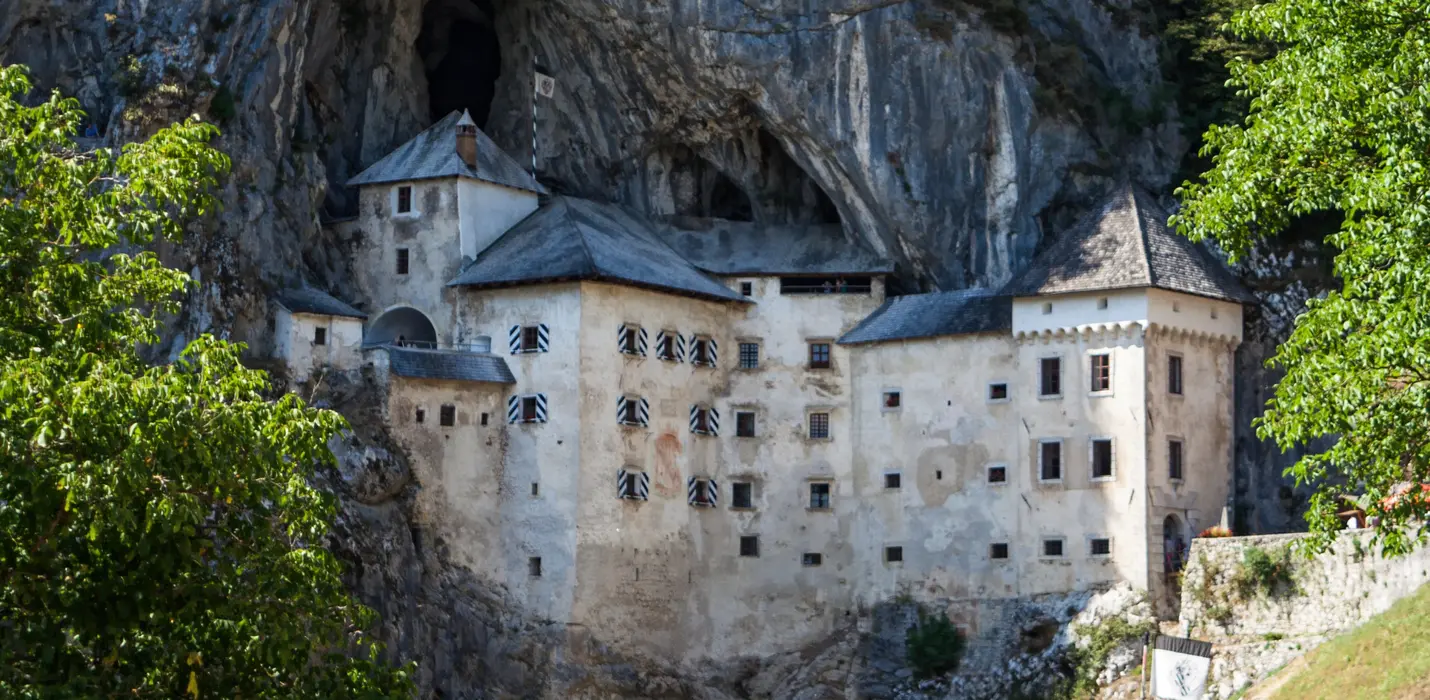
column 747, row 289
column 819, row 426
column 819, row 356
column 533, row 567
column 1102, row 458
column 404, row 199
column 1053, row 547
column 1050, row 460
column 998, row 550
column 530, row 338
column 402, row 260
column 1102, row 302
column 1047, row 308
column 1176, row 307
column 1213, row 312
column 1174, row 374
column 535, row 489
column 701, row 422
column 998, row 391
column 749, row 355
column 630, row 412
column 448, row 416
column 632, row 485
column 998, row 474
column 745, row 424
column 749, row 546
column 420, row 415
column 812, row 559
column 892, row 400
column 1100, row 547
column 819, row 496
column 893, row 480
column 742, row 495
column 1050, row 376
column 1101, row 372
column 320, row 336
column 893, row 555
column 1174, row 460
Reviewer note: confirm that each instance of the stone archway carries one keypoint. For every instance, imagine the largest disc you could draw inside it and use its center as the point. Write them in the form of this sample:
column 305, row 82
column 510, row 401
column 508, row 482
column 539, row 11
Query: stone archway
column 1175, row 541
column 403, row 325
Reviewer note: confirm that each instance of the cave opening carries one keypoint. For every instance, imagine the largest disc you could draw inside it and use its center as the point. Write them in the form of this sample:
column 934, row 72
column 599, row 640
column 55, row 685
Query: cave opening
column 725, row 200
column 461, row 55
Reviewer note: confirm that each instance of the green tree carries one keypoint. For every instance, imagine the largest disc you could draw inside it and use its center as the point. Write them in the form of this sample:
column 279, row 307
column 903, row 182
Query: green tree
column 1339, row 122
column 158, row 533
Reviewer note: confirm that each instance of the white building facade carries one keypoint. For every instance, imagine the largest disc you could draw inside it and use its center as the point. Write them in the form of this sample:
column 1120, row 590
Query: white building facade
column 698, row 439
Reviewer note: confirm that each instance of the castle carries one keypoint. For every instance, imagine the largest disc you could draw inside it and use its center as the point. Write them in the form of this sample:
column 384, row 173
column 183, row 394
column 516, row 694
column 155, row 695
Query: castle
column 703, row 438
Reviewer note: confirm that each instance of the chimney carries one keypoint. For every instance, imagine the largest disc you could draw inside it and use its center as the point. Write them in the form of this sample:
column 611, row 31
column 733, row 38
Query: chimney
column 467, row 140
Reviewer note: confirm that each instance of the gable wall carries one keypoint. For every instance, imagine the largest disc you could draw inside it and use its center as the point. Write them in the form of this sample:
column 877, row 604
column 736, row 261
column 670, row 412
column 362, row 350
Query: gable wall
column 431, row 235
column 487, row 211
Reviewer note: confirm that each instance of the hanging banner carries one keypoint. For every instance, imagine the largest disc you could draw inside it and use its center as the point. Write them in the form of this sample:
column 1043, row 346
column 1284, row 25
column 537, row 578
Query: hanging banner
column 545, row 85
column 1180, row 667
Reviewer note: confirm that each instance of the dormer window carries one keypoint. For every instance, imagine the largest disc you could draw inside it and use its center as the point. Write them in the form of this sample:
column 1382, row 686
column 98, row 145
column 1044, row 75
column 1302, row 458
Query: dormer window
column 404, row 199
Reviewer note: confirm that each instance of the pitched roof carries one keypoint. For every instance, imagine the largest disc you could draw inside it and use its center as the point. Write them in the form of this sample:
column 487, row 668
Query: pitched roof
column 736, row 247
column 448, row 364
column 307, row 300
column 1123, row 243
column 928, row 315
column 433, row 154
column 577, row 239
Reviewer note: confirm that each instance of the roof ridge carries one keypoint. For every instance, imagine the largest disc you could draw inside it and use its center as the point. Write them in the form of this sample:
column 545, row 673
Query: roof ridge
column 1146, row 257
column 580, row 235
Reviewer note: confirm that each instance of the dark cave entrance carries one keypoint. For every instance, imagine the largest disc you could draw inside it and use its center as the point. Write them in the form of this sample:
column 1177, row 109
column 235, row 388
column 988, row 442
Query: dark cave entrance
column 461, row 55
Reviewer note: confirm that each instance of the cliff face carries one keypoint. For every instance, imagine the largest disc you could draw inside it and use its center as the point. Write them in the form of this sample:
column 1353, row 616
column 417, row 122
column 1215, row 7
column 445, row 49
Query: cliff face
column 951, row 135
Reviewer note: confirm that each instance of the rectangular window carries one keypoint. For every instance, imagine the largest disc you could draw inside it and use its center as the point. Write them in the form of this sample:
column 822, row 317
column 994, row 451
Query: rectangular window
column 702, row 352
column 742, row 495
column 819, row 356
column 704, row 421
column 420, row 415
column 632, row 485
column 630, row 411
column 1174, row 374
column 747, row 289
column 1100, row 547
column 320, row 336
column 1174, row 460
column 819, row 496
column 749, row 546
column 819, row 426
column 892, row 400
column 998, row 392
column 1050, row 460
column 749, row 355
column 744, row 424
column 1053, row 547
column 630, row 340
column 998, row 550
column 700, row 492
column 1102, row 302
column 448, row 416
column 1102, row 458
column 1101, row 372
column 528, row 409
column 665, row 345
column 404, row 199
column 533, row 567
column 893, row 555
column 1050, row 379
column 530, row 339
column 997, row 474
column 401, row 261
column 812, row 559
column 484, row 419
column 893, row 480
column 535, row 489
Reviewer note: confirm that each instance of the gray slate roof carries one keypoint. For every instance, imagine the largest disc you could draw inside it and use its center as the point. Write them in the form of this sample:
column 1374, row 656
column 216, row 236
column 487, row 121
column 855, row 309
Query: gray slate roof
column 307, row 300
column 448, row 364
column 577, row 239
column 1124, row 243
column 740, row 248
column 928, row 315
column 433, row 154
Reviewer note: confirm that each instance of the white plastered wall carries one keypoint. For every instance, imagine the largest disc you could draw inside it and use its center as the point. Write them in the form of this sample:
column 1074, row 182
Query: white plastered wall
column 295, row 334
column 487, row 211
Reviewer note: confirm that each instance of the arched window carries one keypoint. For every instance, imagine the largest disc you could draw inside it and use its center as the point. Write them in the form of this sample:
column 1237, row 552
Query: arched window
column 403, row 325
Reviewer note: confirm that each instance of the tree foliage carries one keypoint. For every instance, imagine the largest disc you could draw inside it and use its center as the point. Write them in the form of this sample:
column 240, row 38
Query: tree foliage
column 158, row 533
column 1339, row 122
column 934, row 646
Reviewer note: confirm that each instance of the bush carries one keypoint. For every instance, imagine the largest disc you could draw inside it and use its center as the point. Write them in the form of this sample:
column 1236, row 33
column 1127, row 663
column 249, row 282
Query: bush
column 1215, row 531
column 1088, row 660
column 934, row 646
column 1264, row 572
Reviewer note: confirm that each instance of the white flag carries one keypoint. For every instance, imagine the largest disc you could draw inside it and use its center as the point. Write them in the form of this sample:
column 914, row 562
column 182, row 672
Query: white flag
column 1179, row 668
column 545, row 85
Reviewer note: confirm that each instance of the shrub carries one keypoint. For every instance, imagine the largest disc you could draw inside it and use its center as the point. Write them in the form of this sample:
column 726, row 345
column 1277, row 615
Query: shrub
column 1088, row 660
column 934, row 646
column 131, row 77
column 1264, row 572
column 1215, row 531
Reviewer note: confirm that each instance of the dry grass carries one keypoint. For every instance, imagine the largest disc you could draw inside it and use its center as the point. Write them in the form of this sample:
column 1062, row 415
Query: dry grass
column 1387, row 658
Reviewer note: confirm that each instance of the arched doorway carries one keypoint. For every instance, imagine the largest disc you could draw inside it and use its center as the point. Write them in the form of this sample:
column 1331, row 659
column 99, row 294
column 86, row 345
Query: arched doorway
column 403, row 325
column 1174, row 544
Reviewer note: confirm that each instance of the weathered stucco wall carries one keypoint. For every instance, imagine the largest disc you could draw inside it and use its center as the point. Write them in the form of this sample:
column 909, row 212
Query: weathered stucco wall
column 488, row 211
column 1255, row 631
column 431, row 235
column 294, row 343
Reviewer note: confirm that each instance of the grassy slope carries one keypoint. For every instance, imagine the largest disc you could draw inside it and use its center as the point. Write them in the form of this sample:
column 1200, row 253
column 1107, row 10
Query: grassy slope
column 1387, row 658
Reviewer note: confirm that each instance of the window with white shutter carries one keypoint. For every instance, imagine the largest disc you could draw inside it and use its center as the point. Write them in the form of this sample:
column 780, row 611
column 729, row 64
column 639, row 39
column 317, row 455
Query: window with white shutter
column 665, row 342
column 704, row 351
column 525, row 339
column 530, row 408
column 632, row 485
column 704, row 420
column 631, row 340
column 702, row 492
column 632, row 410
